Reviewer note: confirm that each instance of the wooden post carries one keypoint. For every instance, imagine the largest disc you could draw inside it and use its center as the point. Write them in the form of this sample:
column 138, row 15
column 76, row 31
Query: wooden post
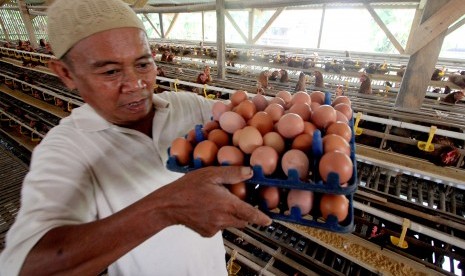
column 322, row 22
column 220, row 38
column 160, row 19
column 387, row 183
column 27, row 23
column 421, row 65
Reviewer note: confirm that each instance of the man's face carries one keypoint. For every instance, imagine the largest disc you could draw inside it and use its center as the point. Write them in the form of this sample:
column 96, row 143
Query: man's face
column 114, row 72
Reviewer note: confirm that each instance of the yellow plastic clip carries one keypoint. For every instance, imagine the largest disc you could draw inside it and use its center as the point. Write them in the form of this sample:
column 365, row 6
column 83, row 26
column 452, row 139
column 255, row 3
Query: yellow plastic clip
column 347, row 85
column 358, row 130
column 34, row 138
column 427, row 146
column 70, row 107
column 233, row 268
column 400, row 242
column 176, row 85
column 205, row 91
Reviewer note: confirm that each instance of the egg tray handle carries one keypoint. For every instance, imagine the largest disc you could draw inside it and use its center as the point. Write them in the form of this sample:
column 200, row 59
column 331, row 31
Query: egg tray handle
column 331, row 223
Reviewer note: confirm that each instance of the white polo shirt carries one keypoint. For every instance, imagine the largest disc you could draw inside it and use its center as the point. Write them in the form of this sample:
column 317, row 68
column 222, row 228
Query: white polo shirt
column 87, row 169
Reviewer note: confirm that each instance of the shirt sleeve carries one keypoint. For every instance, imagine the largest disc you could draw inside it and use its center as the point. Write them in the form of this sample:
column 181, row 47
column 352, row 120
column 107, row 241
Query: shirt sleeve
column 56, row 191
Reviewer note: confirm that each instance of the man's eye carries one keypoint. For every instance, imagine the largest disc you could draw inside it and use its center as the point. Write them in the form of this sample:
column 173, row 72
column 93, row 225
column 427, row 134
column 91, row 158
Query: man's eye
column 111, row 72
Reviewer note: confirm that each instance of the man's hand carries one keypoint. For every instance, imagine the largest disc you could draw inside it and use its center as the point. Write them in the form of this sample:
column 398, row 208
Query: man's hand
column 199, row 201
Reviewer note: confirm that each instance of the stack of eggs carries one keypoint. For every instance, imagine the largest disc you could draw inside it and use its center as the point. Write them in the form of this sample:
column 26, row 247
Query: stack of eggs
column 281, row 139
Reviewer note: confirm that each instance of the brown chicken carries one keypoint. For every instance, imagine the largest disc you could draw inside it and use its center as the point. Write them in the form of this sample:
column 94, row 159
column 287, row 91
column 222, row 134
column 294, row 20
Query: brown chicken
column 263, row 79
column 365, row 87
column 319, row 79
column 301, row 83
column 458, row 80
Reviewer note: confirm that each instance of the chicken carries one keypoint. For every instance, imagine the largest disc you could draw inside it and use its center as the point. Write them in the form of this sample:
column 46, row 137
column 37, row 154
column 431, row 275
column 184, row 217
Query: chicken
column 458, row 80
column 284, row 76
column 318, row 79
column 365, row 87
column 454, row 97
column 275, row 76
column 263, row 79
column 438, row 74
column 301, row 83
column 333, row 66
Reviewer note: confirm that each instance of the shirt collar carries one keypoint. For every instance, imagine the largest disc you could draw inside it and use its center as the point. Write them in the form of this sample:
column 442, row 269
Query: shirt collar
column 87, row 119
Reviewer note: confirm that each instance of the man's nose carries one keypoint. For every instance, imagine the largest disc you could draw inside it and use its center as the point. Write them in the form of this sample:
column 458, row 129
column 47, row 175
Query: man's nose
column 132, row 81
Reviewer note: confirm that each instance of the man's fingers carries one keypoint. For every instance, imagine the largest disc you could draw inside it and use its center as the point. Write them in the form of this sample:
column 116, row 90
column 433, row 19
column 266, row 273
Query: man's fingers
column 252, row 215
column 230, row 174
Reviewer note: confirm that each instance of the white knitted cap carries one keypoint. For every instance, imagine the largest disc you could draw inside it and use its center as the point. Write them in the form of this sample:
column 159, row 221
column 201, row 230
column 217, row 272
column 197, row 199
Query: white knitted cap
column 70, row 21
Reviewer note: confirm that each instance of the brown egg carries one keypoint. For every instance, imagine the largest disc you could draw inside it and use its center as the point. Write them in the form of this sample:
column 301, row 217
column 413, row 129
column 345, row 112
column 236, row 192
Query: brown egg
column 295, row 159
column 341, row 99
column 318, row 97
column 345, row 109
column 238, row 97
column 341, row 117
column 235, row 138
column 262, row 121
column 302, row 199
column 301, row 97
column 182, row 150
column 230, row 155
column 323, row 116
column 266, row 157
column 333, row 142
column 309, row 128
column 219, row 108
column 274, row 140
column 211, row 126
column 301, row 109
column 285, row 95
column 275, row 110
column 246, row 109
column 239, row 190
column 340, row 128
column 206, row 151
column 314, row 105
column 231, row 121
column 279, row 101
column 336, row 205
column 260, row 102
column 271, row 196
column 303, row 142
column 219, row 137
column 290, row 125
column 250, row 139
column 337, row 162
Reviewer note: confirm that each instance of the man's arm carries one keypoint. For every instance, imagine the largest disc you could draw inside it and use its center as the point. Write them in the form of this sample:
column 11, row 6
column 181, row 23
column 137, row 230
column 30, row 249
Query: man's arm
column 197, row 200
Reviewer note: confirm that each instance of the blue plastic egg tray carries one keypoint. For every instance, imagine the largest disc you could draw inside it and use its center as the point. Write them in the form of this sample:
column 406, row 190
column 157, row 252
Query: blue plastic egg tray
column 292, row 181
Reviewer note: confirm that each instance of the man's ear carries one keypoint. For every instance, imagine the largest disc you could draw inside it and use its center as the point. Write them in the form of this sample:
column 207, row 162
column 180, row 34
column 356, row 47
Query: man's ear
column 63, row 71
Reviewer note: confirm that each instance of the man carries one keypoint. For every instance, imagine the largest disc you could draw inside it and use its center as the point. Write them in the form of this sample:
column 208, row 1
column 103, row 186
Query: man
column 98, row 194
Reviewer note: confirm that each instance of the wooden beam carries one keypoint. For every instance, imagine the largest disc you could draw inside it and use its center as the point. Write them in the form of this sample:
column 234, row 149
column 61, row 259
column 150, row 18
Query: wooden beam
column 322, row 22
column 27, row 23
column 268, row 24
column 238, row 29
column 151, row 24
column 5, row 31
column 415, row 23
column 456, row 26
column 251, row 21
column 175, row 18
column 160, row 19
column 220, row 39
column 385, row 29
column 437, row 23
column 421, row 64
column 140, row 3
